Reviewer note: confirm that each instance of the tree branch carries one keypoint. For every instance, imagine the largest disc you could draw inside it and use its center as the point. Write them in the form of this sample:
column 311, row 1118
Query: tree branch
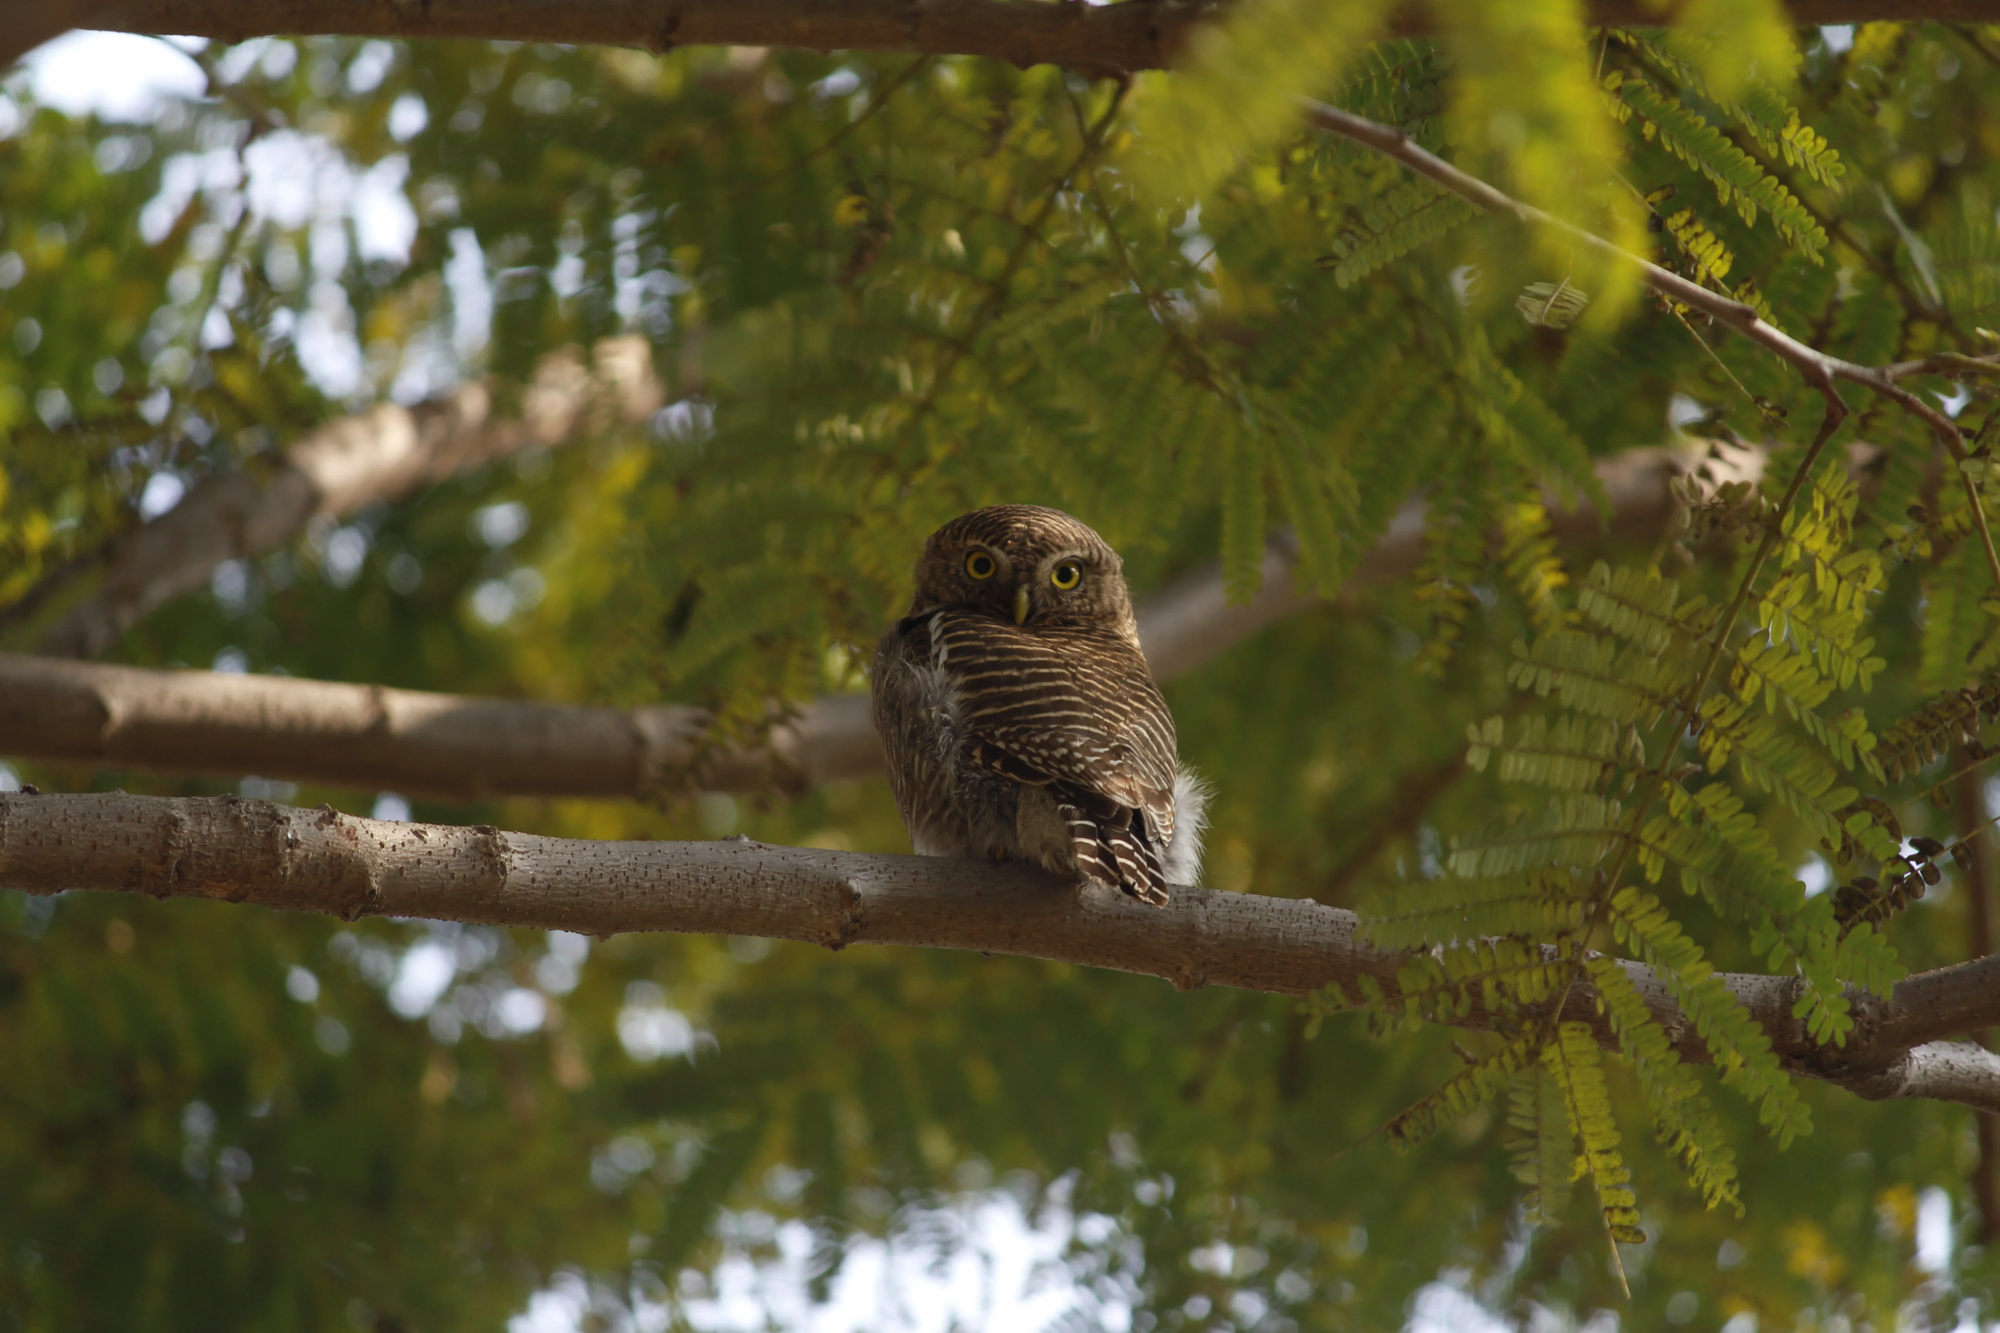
column 26, row 24
column 381, row 454
column 1138, row 35
column 322, row 861
column 460, row 748
column 1976, row 875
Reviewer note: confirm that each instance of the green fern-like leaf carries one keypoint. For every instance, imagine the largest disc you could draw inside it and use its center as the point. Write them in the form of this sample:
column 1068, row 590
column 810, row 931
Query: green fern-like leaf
column 1966, row 254
column 1811, row 945
column 1745, row 853
column 1788, row 684
column 1870, row 326
column 1573, row 829
column 1640, row 606
column 1410, row 215
column 1454, row 561
column 1521, row 424
column 1821, row 531
column 1028, row 321
column 1773, row 761
column 1570, row 753
column 1766, row 116
column 1494, row 975
column 1740, row 1048
column 1787, row 610
column 1687, row 1123
column 1465, row 1091
column 1179, row 423
column 1317, row 492
column 1544, row 1143
column 1536, row 905
column 1573, row 1061
column 1592, row 674
column 1957, row 625
column 1726, row 857
column 1708, row 256
column 1243, row 518
column 1739, row 181
column 1400, row 82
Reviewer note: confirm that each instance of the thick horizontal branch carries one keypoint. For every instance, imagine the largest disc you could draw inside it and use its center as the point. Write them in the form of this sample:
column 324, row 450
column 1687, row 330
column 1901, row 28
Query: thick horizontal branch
column 1137, row 35
column 322, row 861
column 26, row 24
column 383, row 453
column 207, row 723
column 451, row 746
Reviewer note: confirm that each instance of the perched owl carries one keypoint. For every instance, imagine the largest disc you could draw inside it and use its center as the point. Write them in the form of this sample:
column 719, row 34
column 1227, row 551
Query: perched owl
column 1018, row 715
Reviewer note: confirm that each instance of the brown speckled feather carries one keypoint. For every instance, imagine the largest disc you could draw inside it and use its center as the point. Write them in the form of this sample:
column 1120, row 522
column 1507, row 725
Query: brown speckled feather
column 1073, row 708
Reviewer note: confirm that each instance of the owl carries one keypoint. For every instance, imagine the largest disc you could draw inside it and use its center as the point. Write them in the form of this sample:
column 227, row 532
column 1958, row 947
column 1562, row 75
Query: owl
column 1018, row 715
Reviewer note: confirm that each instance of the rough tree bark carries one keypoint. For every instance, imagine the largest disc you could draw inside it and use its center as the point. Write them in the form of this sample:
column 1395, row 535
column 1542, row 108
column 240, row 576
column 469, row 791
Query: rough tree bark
column 383, row 453
column 1142, row 34
column 455, row 747
column 322, row 861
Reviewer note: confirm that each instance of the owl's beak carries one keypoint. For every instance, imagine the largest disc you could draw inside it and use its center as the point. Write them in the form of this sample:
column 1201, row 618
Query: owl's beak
column 1021, row 605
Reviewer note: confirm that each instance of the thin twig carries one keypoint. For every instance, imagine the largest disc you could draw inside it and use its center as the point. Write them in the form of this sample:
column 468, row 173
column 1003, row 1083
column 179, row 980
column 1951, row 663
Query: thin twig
column 877, row 103
column 1820, row 371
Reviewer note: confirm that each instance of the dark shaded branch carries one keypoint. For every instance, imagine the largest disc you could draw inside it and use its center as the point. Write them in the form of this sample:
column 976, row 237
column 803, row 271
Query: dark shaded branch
column 456, row 747
column 1137, row 35
column 26, row 24
column 322, row 861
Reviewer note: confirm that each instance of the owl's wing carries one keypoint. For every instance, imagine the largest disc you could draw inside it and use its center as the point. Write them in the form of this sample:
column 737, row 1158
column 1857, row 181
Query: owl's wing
column 1074, row 710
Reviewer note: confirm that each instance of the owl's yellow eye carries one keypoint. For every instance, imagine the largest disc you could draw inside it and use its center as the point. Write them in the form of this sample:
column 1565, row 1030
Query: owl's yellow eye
column 1066, row 575
column 980, row 565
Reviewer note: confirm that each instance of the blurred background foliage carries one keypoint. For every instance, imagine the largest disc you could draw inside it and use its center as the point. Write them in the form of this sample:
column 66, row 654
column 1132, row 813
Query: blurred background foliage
column 882, row 290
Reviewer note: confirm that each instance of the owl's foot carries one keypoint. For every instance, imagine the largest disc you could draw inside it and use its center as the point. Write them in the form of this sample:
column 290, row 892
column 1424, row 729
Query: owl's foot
column 1148, row 894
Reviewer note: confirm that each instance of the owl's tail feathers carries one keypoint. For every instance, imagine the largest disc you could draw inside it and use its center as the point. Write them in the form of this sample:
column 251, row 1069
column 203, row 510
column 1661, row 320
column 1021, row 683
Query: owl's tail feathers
column 1181, row 860
column 1115, row 850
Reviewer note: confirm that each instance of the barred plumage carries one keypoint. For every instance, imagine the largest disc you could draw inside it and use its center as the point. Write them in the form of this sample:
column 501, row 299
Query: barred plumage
column 1018, row 714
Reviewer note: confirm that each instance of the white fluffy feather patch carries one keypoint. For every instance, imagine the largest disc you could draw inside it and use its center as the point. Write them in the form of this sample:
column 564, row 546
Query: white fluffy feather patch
column 1182, row 862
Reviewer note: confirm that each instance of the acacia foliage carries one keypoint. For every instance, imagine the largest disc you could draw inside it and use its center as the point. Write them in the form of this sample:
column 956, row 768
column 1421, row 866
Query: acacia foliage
column 885, row 290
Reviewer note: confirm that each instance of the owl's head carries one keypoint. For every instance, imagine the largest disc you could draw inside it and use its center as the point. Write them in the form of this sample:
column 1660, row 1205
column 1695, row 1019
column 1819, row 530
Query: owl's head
column 1026, row 564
